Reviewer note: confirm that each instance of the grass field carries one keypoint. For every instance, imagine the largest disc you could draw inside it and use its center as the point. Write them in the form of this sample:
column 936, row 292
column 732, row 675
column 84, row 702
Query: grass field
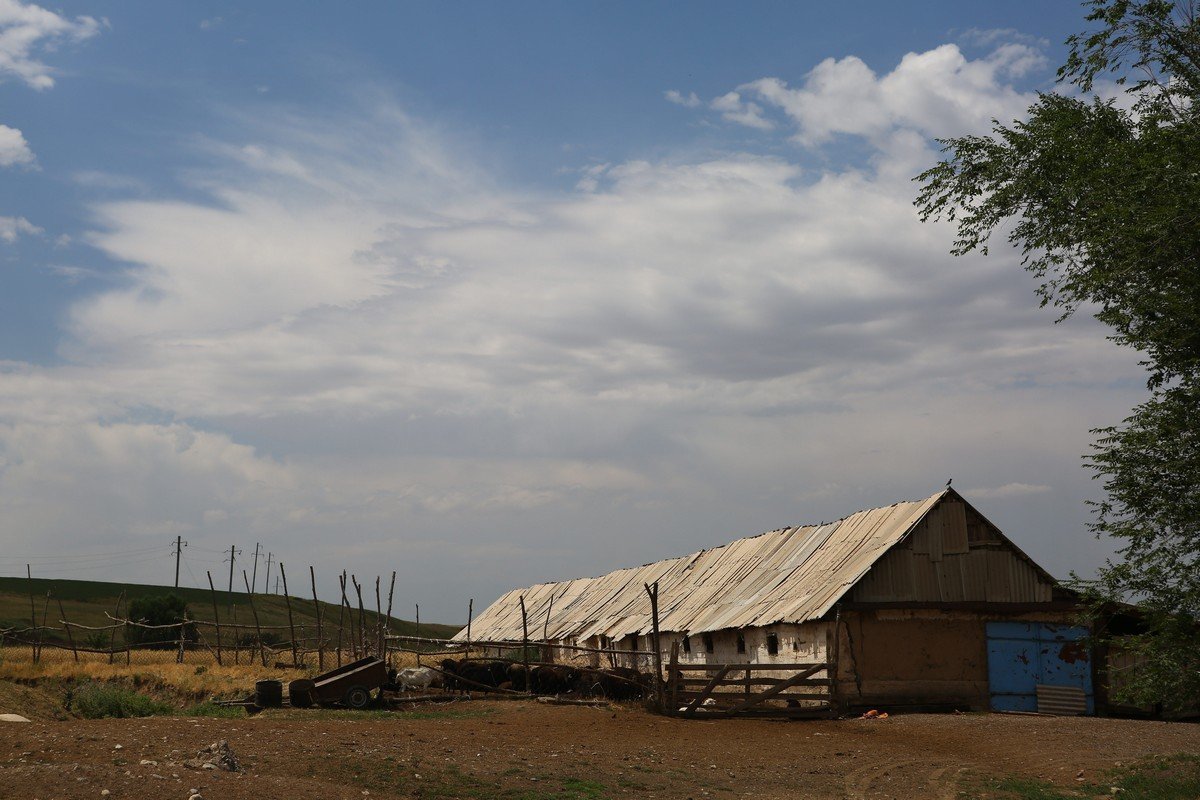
column 86, row 602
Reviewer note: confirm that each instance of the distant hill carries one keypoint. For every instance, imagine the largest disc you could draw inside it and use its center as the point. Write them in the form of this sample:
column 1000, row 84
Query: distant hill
column 86, row 602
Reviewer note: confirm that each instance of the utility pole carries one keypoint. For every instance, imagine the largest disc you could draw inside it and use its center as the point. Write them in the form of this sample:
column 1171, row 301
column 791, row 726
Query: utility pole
column 179, row 545
column 267, row 582
column 233, row 551
column 254, row 579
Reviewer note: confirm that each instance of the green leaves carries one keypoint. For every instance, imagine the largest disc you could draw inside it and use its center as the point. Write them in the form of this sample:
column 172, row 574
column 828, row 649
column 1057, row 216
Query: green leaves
column 1104, row 205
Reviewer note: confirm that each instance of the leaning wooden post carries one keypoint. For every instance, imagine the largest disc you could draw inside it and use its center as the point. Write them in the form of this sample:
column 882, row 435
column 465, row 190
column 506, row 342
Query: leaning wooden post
column 112, row 639
column 236, row 644
column 341, row 616
column 378, row 622
column 658, row 691
column 287, row 598
column 262, row 653
column 525, row 642
column 362, row 616
column 673, row 676
column 548, row 654
column 317, row 605
column 216, row 617
column 470, row 613
column 388, row 623
column 62, row 612
column 418, row 632
column 182, row 630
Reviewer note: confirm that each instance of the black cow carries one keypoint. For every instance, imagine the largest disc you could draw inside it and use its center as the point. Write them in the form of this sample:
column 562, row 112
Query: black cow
column 553, row 679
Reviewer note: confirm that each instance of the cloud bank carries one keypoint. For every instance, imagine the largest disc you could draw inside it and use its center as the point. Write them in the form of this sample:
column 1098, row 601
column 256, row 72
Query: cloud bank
column 360, row 345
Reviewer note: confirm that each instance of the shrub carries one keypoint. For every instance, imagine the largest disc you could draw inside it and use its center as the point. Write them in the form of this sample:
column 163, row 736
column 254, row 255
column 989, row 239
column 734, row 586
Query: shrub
column 98, row 700
column 159, row 609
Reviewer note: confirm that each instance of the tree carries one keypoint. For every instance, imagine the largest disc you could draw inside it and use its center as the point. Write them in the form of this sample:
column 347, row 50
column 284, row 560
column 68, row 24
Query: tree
column 1104, row 204
column 159, row 609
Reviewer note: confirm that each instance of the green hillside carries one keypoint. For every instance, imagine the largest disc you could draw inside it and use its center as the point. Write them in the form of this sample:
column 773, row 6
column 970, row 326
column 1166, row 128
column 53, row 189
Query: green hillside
column 86, row 602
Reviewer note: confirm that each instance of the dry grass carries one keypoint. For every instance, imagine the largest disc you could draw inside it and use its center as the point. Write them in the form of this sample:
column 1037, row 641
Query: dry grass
column 198, row 678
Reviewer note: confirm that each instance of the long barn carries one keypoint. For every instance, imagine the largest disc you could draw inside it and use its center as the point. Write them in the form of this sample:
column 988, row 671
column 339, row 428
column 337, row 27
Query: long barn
column 918, row 604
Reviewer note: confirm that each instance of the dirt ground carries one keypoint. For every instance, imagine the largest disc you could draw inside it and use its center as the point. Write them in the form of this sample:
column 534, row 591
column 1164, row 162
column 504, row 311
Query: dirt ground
column 486, row 749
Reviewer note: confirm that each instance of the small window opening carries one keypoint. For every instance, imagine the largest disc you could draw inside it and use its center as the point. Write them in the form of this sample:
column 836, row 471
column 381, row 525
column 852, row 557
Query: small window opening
column 633, row 642
column 708, row 643
column 795, row 645
column 741, row 643
column 603, row 642
column 687, row 643
column 772, row 644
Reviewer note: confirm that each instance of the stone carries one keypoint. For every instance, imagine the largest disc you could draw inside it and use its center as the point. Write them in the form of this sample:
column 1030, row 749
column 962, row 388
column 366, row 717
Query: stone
column 12, row 718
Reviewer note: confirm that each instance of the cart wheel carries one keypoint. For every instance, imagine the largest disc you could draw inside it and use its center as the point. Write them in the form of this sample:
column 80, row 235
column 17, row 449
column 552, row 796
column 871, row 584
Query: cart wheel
column 357, row 697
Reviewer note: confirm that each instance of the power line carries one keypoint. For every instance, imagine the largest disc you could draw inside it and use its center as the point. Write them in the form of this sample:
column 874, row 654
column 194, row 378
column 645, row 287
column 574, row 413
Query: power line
column 76, row 556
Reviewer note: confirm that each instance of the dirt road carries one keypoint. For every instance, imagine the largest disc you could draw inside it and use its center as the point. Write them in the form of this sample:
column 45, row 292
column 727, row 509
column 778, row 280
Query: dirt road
column 526, row 750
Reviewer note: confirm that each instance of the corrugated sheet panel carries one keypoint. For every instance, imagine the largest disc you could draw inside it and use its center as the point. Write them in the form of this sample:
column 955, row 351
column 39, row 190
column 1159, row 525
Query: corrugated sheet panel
column 789, row 575
column 1067, row 701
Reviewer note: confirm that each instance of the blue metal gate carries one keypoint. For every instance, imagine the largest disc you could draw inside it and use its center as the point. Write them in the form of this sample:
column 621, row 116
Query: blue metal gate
column 1022, row 655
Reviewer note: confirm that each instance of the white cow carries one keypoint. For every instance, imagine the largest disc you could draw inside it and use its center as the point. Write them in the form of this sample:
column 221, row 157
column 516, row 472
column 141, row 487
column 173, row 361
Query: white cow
column 417, row 678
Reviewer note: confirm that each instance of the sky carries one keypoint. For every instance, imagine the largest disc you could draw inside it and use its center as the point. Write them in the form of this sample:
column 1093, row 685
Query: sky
column 493, row 294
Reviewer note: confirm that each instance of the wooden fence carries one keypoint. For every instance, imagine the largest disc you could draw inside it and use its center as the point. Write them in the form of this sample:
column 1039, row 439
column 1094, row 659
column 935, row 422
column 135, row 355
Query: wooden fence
column 749, row 690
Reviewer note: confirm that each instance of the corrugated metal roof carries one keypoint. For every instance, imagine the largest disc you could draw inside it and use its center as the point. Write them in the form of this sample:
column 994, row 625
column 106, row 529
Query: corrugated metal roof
column 787, row 575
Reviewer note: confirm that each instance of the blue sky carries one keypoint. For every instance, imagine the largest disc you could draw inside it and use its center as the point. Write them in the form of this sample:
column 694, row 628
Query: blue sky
column 498, row 293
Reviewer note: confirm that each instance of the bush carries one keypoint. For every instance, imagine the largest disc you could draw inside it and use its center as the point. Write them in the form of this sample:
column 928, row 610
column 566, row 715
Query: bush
column 159, row 609
column 98, row 700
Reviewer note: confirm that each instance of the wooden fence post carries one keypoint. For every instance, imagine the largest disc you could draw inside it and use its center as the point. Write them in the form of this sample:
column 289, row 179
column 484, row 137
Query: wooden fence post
column 112, row 639
column 388, row 623
column 673, row 676
column 525, row 642
column 658, row 691
column 833, row 639
column 317, row 605
column 470, row 613
column 341, row 625
column 548, row 655
column 362, row 616
column 287, row 598
column 216, row 616
column 378, row 621
column 182, row 632
column 70, row 639
column 262, row 654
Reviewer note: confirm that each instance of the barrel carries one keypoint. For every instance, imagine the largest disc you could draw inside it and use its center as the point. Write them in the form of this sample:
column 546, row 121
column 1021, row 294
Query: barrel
column 302, row 693
column 268, row 694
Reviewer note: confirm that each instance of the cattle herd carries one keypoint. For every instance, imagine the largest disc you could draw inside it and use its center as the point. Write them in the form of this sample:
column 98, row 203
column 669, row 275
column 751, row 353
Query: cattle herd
column 466, row 675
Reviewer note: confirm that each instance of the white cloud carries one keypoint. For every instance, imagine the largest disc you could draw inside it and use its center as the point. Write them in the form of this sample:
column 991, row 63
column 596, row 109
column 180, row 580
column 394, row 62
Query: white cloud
column 26, row 29
column 735, row 109
column 13, row 227
column 939, row 92
column 14, row 150
column 347, row 325
column 690, row 100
